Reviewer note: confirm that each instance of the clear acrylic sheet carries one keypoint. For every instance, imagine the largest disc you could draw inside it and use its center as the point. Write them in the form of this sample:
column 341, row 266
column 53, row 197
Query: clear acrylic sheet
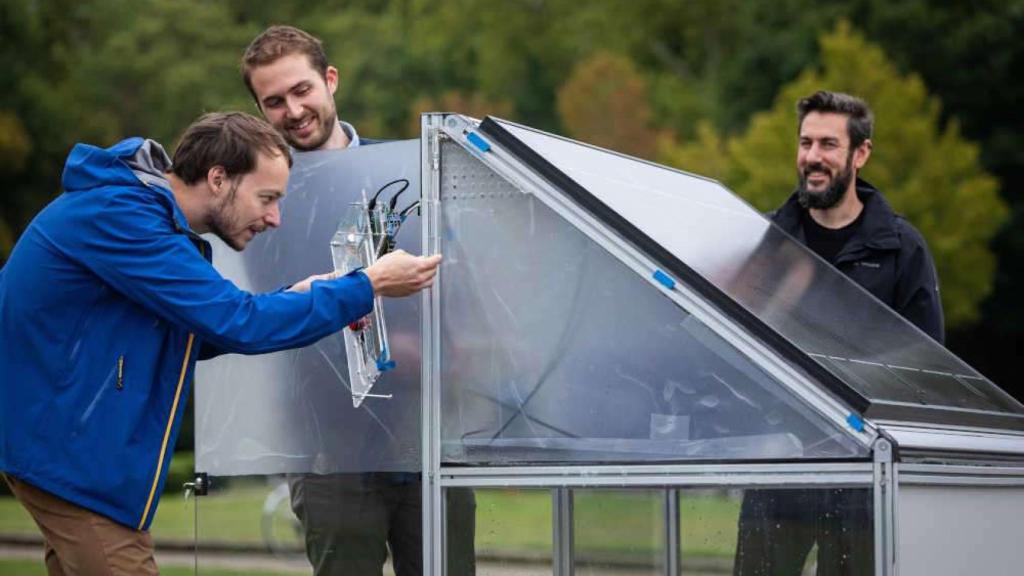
column 292, row 411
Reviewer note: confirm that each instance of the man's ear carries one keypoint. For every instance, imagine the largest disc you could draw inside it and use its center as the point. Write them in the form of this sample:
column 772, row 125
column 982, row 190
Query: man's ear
column 861, row 154
column 331, row 77
column 217, row 180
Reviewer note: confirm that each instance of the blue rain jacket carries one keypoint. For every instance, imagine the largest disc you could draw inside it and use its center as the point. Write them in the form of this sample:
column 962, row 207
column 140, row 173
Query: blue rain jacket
column 104, row 304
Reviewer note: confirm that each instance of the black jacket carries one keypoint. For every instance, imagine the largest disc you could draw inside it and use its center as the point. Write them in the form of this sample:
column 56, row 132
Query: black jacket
column 887, row 256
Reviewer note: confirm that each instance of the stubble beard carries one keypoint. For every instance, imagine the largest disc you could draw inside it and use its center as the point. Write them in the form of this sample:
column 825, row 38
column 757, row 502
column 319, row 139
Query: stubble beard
column 327, row 123
column 224, row 218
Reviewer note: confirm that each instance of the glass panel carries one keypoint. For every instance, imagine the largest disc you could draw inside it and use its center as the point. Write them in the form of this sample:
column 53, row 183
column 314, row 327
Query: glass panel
column 778, row 280
column 512, row 531
column 553, row 350
column 619, row 531
column 785, row 531
column 292, row 411
column 244, row 525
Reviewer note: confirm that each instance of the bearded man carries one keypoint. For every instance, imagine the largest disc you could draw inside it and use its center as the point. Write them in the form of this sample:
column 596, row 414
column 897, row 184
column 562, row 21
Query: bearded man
column 847, row 222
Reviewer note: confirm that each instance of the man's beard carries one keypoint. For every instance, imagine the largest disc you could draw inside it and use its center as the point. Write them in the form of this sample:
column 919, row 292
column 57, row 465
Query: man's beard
column 327, row 122
column 224, row 218
column 831, row 195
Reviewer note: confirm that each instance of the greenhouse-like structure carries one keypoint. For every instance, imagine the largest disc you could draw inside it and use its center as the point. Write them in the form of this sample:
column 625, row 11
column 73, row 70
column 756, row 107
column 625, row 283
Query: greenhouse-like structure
column 631, row 371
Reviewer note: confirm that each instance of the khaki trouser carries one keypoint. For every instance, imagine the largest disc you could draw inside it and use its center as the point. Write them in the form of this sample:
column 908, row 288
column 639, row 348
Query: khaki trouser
column 83, row 543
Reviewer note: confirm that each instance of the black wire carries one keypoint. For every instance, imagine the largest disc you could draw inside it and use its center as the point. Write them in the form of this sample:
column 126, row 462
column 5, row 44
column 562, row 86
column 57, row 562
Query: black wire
column 394, row 199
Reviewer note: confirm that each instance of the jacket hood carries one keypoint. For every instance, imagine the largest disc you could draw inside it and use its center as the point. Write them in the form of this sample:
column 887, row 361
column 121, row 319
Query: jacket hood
column 126, row 163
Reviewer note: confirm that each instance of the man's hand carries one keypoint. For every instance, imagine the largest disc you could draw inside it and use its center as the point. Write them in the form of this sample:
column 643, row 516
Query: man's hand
column 304, row 285
column 399, row 273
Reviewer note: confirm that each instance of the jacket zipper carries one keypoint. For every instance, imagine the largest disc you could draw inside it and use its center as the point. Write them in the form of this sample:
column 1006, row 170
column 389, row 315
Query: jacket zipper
column 170, row 423
column 120, row 372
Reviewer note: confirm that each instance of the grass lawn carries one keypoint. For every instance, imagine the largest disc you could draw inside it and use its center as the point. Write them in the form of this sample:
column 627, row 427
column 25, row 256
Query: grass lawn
column 625, row 523
column 12, row 567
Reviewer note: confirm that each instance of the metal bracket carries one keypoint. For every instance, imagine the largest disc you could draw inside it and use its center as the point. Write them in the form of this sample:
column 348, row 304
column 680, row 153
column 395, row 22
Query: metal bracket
column 199, row 486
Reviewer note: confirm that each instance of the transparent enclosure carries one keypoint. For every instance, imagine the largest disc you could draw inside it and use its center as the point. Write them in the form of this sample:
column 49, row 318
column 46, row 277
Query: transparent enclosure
column 552, row 350
column 777, row 281
column 292, row 411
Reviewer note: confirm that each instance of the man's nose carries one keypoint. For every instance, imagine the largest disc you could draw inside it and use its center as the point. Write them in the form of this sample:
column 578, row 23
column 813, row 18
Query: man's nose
column 273, row 216
column 294, row 108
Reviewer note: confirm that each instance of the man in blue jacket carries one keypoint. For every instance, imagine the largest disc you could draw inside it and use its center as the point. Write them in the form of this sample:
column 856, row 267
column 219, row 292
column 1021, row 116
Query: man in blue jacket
column 107, row 301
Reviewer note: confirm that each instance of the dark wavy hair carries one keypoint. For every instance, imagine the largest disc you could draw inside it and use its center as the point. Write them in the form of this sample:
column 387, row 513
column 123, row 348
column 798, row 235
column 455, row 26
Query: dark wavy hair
column 229, row 139
column 860, row 122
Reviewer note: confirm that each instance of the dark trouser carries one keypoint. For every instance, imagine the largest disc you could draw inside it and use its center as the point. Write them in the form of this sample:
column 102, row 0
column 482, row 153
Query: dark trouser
column 351, row 519
column 777, row 529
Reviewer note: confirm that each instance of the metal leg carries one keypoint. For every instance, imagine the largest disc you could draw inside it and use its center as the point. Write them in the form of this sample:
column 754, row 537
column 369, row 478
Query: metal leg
column 885, row 503
column 562, row 531
column 673, row 554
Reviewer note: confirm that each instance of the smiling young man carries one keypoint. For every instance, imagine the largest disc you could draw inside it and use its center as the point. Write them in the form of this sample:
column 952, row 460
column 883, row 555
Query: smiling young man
column 847, row 222
column 350, row 520
column 107, row 302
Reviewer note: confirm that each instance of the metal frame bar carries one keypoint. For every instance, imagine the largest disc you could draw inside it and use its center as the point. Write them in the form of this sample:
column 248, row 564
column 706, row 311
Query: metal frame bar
column 946, row 475
column 430, row 417
column 563, row 530
column 673, row 548
column 885, row 513
column 503, row 163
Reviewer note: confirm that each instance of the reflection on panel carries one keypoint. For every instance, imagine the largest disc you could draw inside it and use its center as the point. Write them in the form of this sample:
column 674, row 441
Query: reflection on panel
column 782, row 283
column 619, row 531
column 780, row 531
column 292, row 411
column 512, row 532
column 553, row 350
column 244, row 525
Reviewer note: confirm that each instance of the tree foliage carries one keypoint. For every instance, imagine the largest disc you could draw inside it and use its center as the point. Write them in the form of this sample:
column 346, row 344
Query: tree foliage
column 928, row 171
column 604, row 102
column 99, row 70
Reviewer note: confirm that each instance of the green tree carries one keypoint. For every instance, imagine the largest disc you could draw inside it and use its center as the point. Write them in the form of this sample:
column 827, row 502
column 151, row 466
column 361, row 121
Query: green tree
column 605, row 102
column 928, row 171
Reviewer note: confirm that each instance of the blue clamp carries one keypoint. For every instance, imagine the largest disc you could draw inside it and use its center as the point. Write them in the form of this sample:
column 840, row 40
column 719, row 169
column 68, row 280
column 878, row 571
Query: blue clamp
column 664, row 279
column 384, row 361
column 478, row 141
column 855, row 422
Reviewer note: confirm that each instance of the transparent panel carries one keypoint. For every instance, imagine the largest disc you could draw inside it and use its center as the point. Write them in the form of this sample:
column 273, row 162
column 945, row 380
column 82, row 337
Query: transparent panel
column 553, row 350
column 244, row 525
column 619, row 531
column 790, row 531
column 512, row 532
column 859, row 339
column 292, row 411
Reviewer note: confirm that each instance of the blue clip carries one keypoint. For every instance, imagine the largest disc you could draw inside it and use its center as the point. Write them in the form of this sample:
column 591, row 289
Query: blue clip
column 478, row 141
column 384, row 363
column 855, row 422
column 664, row 279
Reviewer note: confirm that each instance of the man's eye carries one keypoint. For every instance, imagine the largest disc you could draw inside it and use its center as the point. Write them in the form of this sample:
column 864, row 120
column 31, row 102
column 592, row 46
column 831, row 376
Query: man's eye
column 272, row 103
column 302, row 90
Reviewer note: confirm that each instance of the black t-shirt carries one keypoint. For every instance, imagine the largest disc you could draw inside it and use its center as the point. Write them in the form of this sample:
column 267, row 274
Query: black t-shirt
column 826, row 242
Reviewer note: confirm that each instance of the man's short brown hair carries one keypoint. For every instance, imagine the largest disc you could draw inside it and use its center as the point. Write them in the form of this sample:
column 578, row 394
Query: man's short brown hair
column 229, row 139
column 278, row 41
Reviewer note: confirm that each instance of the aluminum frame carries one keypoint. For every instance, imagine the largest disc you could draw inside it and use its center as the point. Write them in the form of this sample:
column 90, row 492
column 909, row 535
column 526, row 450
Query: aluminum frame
column 884, row 473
